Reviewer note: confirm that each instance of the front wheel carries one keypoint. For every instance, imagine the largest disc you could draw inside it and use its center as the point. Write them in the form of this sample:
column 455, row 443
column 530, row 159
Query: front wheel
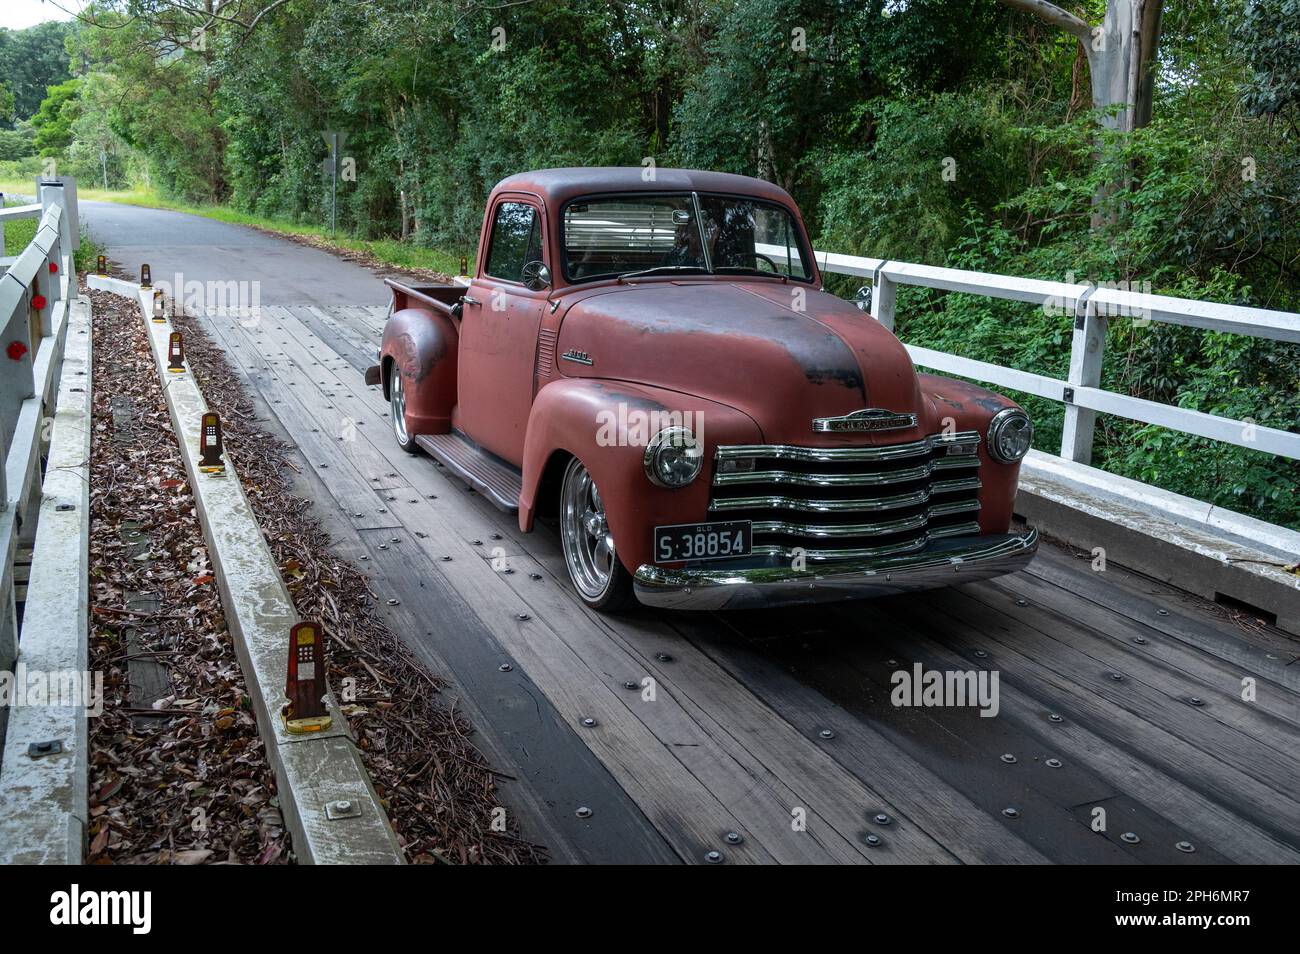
column 397, row 411
column 593, row 565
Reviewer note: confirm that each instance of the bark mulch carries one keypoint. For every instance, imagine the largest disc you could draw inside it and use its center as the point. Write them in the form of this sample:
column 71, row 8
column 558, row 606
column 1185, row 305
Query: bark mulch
column 178, row 773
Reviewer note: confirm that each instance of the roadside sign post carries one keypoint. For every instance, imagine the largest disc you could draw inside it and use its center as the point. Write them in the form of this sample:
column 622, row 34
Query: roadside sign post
column 330, row 167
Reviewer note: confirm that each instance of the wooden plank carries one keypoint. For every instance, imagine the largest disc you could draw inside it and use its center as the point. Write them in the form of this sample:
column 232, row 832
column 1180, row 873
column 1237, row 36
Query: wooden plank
column 307, row 363
column 339, row 338
column 1257, row 749
column 690, row 817
column 1190, row 776
column 757, row 740
column 362, row 503
column 1080, row 739
column 760, row 804
column 1269, row 653
column 1197, row 673
column 853, row 664
column 362, row 344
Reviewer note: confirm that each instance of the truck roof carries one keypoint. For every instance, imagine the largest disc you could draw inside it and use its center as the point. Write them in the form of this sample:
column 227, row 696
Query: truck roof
column 557, row 186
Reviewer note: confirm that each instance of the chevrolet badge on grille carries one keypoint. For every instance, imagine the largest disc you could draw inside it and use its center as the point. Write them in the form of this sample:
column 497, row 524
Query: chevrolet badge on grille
column 868, row 419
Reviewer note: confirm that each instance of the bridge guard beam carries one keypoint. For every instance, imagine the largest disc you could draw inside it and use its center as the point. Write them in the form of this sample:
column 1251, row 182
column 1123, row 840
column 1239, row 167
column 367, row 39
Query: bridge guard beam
column 1087, row 350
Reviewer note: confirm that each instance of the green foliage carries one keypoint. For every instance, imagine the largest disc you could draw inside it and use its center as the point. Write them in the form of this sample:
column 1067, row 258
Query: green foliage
column 52, row 123
column 31, row 61
column 16, row 143
column 1267, row 37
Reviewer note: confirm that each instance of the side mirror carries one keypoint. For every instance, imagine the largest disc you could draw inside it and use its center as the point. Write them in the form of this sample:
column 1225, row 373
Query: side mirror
column 863, row 298
column 536, row 276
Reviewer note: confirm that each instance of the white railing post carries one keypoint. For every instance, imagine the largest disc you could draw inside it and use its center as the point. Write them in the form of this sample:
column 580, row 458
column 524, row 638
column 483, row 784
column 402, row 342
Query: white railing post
column 884, row 294
column 1087, row 350
column 2, row 225
column 52, row 194
column 66, row 198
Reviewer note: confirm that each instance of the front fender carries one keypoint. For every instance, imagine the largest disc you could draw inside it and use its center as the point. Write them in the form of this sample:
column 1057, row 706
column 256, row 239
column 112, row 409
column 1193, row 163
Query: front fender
column 970, row 407
column 606, row 425
column 421, row 346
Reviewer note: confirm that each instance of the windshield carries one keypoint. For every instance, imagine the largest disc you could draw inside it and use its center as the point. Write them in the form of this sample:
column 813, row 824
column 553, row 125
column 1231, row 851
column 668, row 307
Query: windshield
column 652, row 233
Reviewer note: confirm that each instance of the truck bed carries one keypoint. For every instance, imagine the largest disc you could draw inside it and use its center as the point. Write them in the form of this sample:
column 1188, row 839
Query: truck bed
column 439, row 297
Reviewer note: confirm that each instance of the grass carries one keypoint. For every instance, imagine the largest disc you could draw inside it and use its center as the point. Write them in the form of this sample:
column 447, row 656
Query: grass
column 386, row 251
column 19, row 232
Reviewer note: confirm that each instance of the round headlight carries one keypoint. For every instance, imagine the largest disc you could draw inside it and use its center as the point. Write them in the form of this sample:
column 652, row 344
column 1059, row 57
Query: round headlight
column 673, row 458
column 1010, row 434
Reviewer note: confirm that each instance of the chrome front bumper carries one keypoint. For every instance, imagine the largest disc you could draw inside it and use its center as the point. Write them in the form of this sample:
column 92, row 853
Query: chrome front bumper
column 947, row 562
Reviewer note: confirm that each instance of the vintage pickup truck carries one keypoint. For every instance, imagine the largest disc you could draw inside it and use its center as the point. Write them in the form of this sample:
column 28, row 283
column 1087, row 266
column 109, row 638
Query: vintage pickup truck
column 651, row 360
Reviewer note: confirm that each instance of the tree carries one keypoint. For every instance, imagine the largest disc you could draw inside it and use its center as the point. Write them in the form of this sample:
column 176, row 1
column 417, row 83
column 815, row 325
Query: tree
column 53, row 121
column 1267, row 39
column 33, row 60
column 6, row 105
column 1120, row 50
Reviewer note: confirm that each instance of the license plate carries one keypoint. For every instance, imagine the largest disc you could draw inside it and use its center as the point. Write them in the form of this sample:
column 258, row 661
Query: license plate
column 702, row 541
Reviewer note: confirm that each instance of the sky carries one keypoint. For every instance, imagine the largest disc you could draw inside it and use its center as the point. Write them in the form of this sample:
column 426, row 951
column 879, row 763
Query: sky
column 18, row 14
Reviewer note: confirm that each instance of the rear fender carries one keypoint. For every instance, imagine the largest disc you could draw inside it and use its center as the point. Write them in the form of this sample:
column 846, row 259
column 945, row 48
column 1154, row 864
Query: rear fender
column 606, row 425
column 421, row 346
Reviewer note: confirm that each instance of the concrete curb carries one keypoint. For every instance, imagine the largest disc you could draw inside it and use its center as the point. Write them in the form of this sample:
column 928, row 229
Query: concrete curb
column 311, row 771
column 44, row 798
column 1196, row 546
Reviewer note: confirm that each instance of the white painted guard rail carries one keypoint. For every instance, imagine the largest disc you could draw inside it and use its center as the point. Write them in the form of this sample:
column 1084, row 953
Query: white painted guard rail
column 1092, row 307
column 45, row 410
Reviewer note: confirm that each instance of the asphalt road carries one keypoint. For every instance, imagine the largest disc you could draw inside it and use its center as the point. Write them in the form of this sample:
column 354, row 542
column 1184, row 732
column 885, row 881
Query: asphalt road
column 202, row 250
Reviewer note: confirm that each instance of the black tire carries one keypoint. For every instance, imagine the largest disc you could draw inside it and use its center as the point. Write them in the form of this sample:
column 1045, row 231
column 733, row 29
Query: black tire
column 590, row 556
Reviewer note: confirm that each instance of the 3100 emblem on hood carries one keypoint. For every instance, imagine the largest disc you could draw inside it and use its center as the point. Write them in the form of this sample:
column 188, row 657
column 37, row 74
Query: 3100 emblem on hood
column 868, row 419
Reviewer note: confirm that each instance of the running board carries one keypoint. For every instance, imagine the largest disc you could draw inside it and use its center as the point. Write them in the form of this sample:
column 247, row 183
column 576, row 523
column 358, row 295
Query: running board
column 489, row 475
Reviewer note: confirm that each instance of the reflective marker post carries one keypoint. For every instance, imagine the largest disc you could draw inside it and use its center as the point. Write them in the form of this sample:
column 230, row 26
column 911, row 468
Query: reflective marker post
column 175, row 353
column 305, row 681
column 210, row 449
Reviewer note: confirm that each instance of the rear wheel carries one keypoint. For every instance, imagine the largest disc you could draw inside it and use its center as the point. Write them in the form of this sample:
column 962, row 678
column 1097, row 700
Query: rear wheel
column 397, row 411
column 589, row 553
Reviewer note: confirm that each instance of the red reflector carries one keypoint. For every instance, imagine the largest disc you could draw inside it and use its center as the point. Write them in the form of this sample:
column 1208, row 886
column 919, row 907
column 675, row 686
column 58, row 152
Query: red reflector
column 16, row 350
column 38, row 302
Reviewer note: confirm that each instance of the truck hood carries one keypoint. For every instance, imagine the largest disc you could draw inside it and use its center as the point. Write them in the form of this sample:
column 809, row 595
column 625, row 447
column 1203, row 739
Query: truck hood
column 782, row 354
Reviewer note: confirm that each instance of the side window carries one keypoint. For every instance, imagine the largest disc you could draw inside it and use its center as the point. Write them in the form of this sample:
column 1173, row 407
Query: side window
column 516, row 240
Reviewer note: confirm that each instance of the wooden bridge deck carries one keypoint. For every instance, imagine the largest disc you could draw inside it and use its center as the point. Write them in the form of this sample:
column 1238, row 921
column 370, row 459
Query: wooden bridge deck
column 1097, row 672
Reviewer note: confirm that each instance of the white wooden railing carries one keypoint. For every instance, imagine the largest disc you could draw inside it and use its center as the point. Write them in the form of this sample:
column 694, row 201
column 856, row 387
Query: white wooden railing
column 1091, row 308
column 45, row 415
column 33, row 330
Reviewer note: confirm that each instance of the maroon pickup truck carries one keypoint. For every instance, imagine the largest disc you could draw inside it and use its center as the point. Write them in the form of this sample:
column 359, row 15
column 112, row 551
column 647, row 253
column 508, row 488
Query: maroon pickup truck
column 655, row 365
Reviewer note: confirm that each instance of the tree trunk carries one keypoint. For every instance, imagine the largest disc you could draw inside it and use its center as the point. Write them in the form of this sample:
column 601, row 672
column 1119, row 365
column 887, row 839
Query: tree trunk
column 1120, row 52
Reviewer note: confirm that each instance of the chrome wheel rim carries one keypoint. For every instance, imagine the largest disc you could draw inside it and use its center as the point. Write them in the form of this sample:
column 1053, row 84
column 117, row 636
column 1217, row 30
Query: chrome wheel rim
column 584, row 533
column 397, row 404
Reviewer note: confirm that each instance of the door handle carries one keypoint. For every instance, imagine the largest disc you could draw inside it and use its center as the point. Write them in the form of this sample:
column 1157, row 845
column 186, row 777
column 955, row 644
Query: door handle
column 466, row 299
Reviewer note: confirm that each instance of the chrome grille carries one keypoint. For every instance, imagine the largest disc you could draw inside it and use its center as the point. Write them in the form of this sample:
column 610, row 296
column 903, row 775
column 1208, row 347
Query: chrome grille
column 840, row 503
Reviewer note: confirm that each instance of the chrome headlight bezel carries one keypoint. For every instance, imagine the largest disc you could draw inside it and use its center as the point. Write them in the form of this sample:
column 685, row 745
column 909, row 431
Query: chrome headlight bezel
column 673, row 440
column 1008, row 421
